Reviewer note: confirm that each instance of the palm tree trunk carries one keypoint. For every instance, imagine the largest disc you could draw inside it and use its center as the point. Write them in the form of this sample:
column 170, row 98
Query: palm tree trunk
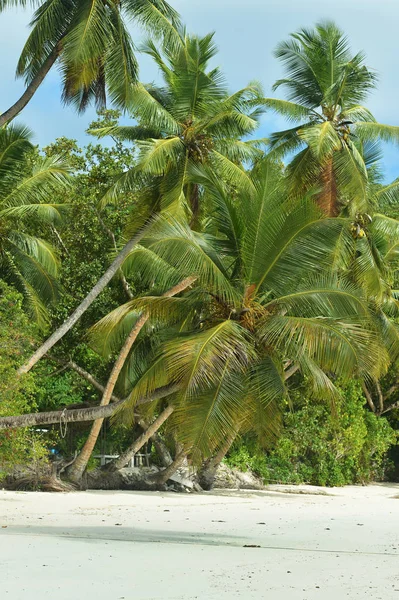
column 162, row 450
column 124, row 458
column 78, row 467
column 207, row 474
column 28, row 94
column 84, row 305
column 160, row 446
column 194, row 205
column 163, row 476
column 328, row 197
column 80, row 415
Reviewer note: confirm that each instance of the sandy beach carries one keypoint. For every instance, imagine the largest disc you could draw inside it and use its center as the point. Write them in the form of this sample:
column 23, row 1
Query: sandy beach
column 283, row 544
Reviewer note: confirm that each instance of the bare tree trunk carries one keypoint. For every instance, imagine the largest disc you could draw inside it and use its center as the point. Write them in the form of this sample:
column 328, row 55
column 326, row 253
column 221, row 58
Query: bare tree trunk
column 111, row 235
column 207, row 474
column 290, row 371
column 84, row 305
column 124, row 458
column 328, row 197
column 79, row 415
column 78, row 467
column 28, row 94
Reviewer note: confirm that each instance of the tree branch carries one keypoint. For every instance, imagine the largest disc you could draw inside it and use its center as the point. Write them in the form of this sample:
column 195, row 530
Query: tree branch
column 111, row 236
column 368, row 398
column 290, row 371
column 394, row 388
column 392, row 407
column 83, row 373
column 380, row 398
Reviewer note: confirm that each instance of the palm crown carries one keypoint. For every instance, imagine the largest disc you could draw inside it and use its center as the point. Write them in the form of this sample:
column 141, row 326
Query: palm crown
column 91, row 41
column 335, row 139
column 26, row 193
column 191, row 120
column 254, row 312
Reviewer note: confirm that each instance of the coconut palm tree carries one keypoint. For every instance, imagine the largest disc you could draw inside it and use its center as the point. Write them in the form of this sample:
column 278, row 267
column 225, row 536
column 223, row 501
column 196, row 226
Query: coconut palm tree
column 265, row 305
column 334, row 135
column 92, row 45
column 27, row 189
column 190, row 120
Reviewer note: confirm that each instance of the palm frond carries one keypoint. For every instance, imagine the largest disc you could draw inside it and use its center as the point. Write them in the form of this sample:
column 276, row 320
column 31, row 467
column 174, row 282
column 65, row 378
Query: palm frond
column 291, row 110
column 341, row 347
column 371, row 131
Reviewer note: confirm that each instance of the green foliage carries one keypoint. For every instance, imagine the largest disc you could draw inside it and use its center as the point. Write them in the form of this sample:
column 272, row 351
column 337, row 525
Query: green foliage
column 252, row 309
column 275, row 285
column 98, row 234
column 323, row 447
column 190, row 120
column 17, row 446
column 28, row 185
column 334, row 139
column 93, row 46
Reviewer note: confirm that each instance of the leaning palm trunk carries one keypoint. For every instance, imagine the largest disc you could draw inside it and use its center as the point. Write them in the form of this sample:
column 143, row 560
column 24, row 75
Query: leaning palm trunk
column 28, row 94
column 328, row 197
column 162, row 477
column 80, row 415
column 207, row 474
column 78, row 467
column 162, row 450
column 84, row 305
column 124, row 458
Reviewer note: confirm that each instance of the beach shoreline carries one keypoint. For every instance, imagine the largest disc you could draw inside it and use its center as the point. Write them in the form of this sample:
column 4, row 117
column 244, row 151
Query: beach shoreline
column 287, row 542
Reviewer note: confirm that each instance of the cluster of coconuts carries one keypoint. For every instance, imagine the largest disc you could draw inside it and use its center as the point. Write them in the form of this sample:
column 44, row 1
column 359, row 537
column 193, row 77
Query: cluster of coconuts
column 200, row 148
column 359, row 226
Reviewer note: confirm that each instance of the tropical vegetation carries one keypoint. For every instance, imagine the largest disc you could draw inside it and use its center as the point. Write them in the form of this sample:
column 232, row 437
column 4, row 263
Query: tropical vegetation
column 249, row 308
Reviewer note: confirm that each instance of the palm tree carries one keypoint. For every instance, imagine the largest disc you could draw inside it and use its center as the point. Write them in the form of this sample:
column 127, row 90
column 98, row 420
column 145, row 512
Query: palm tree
column 27, row 189
column 265, row 305
column 91, row 42
column 334, row 136
column 190, row 120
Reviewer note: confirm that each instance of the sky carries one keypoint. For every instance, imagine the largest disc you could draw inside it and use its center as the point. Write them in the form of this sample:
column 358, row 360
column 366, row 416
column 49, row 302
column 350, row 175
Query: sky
column 246, row 34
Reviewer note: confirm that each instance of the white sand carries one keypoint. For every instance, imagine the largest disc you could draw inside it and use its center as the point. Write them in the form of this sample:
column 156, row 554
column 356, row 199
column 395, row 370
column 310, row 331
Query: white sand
column 125, row 545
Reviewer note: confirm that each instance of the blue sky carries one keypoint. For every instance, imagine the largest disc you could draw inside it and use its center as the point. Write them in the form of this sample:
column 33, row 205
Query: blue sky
column 246, row 33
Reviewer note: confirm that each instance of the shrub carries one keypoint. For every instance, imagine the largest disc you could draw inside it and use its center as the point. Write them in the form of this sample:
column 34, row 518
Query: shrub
column 323, row 446
column 17, row 446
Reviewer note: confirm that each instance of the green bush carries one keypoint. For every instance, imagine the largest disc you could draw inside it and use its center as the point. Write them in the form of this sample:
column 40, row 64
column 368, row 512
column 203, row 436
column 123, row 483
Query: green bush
column 321, row 445
column 17, row 446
